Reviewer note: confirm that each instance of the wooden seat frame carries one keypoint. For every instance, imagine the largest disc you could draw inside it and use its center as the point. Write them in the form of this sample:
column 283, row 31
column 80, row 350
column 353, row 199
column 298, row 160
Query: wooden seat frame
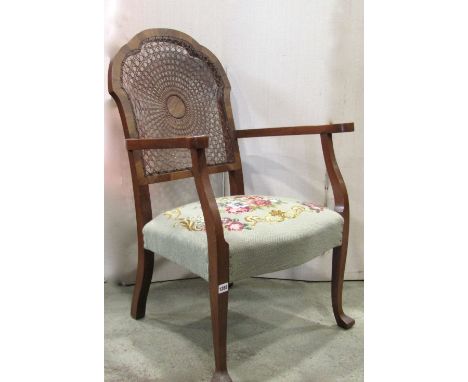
column 218, row 248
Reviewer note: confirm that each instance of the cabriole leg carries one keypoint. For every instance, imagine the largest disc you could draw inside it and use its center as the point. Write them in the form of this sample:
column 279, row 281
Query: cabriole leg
column 338, row 268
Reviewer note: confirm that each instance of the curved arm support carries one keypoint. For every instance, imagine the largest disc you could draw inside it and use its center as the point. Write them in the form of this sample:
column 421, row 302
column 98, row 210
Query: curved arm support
column 218, row 249
column 340, row 192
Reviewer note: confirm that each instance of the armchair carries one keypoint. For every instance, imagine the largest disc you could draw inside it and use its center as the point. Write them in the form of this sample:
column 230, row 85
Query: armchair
column 173, row 99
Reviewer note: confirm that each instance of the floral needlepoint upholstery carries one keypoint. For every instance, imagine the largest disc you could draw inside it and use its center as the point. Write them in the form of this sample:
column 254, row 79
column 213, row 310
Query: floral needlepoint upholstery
column 264, row 233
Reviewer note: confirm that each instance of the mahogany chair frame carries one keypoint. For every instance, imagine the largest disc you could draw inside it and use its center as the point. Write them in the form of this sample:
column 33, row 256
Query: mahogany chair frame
column 218, row 248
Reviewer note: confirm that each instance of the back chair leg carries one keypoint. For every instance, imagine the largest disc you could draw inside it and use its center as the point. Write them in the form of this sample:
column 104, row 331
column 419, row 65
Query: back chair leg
column 142, row 284
column 219, row 310
column 338, row 268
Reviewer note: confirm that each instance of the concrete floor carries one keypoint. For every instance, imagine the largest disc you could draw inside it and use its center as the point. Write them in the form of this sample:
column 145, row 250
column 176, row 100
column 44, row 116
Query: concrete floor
column 277, row 331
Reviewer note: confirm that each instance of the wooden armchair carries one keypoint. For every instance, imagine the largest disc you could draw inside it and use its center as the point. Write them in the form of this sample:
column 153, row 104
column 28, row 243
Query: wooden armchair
column 173, row 99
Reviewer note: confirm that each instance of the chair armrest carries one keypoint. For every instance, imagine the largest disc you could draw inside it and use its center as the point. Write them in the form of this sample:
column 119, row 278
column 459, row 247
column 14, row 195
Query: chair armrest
column 197, row 146
column 196, row 142
column 336, row 179
column 295, row 130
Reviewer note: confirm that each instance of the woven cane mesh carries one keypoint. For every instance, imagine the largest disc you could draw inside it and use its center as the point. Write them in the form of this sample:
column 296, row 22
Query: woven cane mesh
column 176, row 91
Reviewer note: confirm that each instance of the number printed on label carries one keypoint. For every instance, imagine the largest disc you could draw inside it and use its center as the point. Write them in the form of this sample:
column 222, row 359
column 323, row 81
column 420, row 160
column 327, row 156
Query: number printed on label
column 223, row 288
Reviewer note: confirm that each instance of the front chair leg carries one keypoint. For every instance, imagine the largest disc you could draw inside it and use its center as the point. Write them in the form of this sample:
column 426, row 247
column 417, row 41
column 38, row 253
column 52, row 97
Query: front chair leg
column 338, row 268
column 219, row 310
column 142, row 284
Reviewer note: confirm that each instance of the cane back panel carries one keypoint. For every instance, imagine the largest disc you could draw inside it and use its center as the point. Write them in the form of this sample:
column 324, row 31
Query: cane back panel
column 174, row 88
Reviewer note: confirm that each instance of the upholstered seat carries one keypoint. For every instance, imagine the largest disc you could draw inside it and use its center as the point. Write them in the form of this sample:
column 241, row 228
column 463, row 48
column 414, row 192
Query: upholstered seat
column 264, row 234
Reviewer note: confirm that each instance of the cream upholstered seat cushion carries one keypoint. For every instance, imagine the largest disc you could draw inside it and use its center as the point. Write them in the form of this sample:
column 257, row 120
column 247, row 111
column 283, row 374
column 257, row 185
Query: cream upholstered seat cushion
column 264, row 233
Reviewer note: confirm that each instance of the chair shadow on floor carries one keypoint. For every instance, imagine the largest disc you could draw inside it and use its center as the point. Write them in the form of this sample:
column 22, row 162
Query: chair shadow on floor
column 258, row 325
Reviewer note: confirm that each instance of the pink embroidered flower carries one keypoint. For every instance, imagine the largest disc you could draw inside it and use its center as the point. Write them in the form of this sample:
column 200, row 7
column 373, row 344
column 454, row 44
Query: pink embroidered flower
column 262, row 202
column 237, row 209
column 313, row 207
column 235, row 226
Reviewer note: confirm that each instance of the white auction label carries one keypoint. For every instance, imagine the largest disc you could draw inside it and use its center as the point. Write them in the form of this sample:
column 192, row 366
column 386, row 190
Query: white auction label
column 223, row 288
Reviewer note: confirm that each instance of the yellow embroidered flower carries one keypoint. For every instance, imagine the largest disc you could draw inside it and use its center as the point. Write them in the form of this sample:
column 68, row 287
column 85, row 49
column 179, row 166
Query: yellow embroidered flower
column 278, row 213
column 191, row 225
